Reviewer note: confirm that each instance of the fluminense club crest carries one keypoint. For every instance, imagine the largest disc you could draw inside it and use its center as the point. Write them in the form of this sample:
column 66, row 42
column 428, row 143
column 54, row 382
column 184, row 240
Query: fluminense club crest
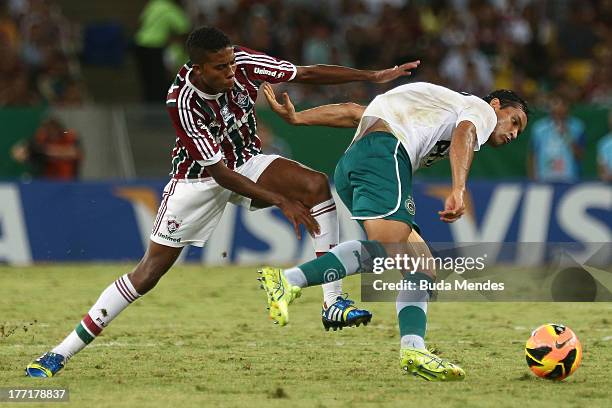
column 242, row 99
column 173, row 224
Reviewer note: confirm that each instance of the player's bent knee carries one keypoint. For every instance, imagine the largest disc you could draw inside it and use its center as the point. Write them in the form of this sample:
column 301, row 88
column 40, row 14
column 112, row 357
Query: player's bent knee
column 317, row 188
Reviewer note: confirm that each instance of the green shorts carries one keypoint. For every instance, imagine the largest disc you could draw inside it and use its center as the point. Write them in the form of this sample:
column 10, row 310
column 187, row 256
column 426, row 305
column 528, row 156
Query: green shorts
column 374, row 180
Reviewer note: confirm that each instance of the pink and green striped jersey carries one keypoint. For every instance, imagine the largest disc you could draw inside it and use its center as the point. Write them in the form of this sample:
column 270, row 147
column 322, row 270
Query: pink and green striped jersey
column 210, row 128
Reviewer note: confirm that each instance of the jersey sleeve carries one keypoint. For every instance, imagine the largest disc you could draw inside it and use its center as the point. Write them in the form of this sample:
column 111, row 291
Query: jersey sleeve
column 195, row 135
column 482, row 116
column 259, row 67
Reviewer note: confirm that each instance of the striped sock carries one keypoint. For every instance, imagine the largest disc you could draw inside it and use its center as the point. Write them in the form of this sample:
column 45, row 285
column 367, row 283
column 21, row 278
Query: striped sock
column 119, row 295
column 327, row 217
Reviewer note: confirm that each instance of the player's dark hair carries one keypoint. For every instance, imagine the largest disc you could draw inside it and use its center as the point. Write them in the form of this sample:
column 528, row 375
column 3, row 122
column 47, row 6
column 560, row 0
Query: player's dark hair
column 508, row 98
column 205, row 39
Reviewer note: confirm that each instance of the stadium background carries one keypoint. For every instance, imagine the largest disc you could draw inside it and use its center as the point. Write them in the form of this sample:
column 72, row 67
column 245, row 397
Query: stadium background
column 201, row 337
column 75, row 61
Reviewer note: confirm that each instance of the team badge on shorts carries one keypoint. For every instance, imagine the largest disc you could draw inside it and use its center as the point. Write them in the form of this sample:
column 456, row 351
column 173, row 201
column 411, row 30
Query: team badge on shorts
column 172, row 224
column 410, row 207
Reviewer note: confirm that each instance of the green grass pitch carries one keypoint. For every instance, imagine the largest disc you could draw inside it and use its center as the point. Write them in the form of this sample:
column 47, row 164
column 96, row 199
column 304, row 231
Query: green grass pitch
column 202, row 338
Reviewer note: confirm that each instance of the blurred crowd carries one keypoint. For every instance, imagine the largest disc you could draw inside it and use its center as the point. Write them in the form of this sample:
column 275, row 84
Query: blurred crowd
column 555, row 53
column 532, row 46
column 39, row 61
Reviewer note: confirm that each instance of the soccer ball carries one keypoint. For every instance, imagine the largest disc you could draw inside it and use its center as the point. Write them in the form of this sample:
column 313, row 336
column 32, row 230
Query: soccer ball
column 553, row 351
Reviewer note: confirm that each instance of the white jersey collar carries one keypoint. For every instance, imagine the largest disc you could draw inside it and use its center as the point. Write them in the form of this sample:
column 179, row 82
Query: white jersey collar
column 200, row 92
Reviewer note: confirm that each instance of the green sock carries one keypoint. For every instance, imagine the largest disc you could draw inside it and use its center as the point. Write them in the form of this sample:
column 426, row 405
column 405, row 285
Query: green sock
column 412, row 320
column 345, row 259
column 411, row 308
column 326, row 268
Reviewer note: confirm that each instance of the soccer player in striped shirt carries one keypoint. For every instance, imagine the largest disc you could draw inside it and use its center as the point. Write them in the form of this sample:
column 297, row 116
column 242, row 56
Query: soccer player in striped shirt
column 217, row 160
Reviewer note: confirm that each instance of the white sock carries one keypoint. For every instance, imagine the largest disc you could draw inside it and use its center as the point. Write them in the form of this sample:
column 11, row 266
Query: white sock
column 331, row 292
column 326, row 215
column 416, row 298
column 119, row 295
column 412, row 341
column 71, row 345
column 296, row 277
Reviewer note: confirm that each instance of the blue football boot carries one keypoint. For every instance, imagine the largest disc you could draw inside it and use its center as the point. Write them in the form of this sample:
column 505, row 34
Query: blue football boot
column 344, row 314
column 46, row 365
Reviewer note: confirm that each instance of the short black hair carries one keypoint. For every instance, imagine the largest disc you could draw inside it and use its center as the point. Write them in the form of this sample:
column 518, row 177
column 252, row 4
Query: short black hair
column 508, row 98
column 205, row 39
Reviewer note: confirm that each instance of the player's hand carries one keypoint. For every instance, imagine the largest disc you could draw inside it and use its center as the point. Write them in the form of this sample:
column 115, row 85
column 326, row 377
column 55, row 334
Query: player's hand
column 285, row 110
column 453, row 207
column 387, row 75
column 298, row 214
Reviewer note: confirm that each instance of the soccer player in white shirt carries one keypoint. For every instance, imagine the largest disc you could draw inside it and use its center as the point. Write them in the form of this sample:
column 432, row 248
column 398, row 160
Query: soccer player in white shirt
column 408, row 127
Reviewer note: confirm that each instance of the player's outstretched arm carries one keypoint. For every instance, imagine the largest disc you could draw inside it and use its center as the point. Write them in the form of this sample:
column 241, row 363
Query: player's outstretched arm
column 295, row 211
column 334, row 115
column 461, row 154
column 335, row 74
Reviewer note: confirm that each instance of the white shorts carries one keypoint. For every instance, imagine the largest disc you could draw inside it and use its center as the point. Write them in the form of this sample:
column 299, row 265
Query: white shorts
column 191, row 209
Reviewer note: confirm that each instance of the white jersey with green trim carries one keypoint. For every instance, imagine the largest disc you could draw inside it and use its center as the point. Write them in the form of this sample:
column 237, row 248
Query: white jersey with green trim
column 423, row 117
